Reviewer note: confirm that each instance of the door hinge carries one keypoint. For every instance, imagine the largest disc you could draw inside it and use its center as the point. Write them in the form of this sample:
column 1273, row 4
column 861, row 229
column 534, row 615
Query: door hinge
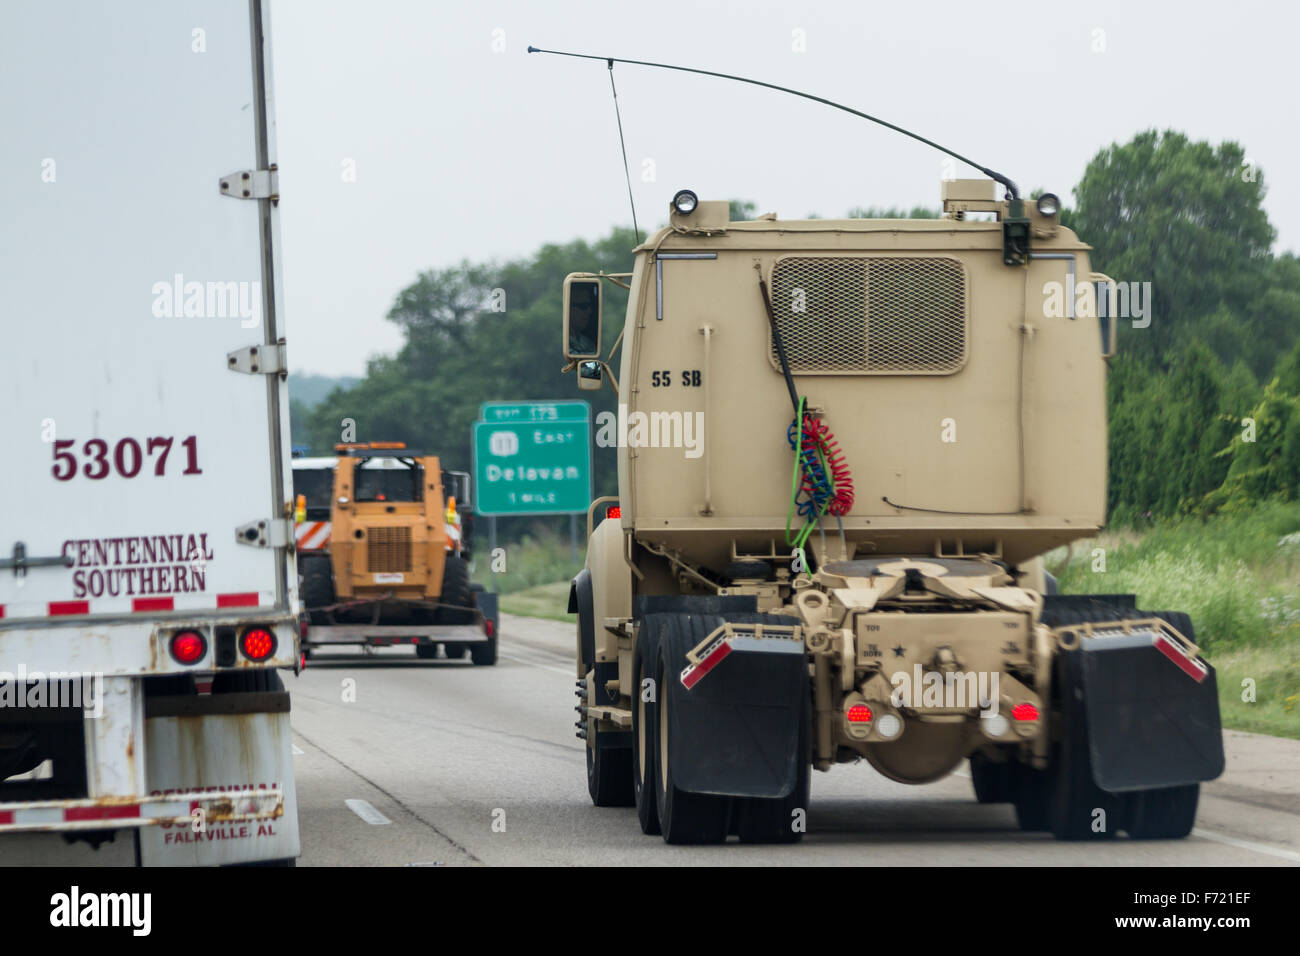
column 259, row 359
column 252, row 184
column 271, row 533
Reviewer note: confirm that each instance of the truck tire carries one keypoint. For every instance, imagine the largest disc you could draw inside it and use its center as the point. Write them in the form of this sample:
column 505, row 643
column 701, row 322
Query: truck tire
column 454, row 652
column 783, row 819
column 1167, row 813
column 645, row 723
column 317, row 589
column 426, row 652
column 455, row 591
column 1078, row 808
column 609, row 775
column 993, row 782
column 1031, row 799
column 684, row 818
column 484, row 653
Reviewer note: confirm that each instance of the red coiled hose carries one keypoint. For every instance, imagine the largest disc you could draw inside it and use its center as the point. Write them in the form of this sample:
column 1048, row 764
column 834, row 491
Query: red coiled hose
column 817, row 435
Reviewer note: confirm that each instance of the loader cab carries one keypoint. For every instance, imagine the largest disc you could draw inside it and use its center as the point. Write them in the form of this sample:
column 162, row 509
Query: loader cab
column 313, row 479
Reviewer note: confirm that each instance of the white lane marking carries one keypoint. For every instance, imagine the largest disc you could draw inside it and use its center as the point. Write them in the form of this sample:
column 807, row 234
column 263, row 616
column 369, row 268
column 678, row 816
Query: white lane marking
column 365, row 811
column 545, row 667
column 298, row 751
column 1247, row 845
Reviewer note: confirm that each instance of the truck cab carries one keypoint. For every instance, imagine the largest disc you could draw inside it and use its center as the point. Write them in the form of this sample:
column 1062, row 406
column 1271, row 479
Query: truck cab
column 844, row 446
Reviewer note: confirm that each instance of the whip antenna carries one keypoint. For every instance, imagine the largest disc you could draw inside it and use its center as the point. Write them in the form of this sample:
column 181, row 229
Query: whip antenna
column 626, row 173
column 1012, row 190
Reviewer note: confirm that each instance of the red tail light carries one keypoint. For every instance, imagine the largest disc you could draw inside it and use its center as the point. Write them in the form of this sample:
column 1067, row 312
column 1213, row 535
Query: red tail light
column 258, row 643
column 614, row 512
column 859, row 714
column 188, row 647
column 489, row 627
column 1024, row 712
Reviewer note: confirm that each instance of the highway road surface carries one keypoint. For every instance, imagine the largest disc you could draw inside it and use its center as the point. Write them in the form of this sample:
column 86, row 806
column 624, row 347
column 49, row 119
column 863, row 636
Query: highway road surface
column 402, row 762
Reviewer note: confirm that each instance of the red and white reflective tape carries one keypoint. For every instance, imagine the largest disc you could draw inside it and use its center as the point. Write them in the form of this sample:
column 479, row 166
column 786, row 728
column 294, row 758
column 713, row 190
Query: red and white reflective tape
column 237, row 805
column 692, row 674
column 311, row 535
column 1193, row 668
column 137, row 605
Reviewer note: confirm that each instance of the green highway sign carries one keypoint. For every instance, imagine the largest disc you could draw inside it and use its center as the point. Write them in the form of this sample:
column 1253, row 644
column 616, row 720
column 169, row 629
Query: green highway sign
column 533, row 467
column 536, row 412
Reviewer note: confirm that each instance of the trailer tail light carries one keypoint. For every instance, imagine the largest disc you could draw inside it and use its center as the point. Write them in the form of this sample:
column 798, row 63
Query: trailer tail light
column 490, row 627
column 188, row 647
column 1024, row 712
column 615, row 511
column 257, row 643
column 858, row 714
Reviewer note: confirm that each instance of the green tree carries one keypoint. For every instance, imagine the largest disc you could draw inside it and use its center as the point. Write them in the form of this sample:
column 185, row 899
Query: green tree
column 1188, row 218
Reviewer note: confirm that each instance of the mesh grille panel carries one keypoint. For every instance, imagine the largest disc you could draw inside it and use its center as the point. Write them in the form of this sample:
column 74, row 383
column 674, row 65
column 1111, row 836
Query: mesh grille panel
column 865, row 315
column 388, row 549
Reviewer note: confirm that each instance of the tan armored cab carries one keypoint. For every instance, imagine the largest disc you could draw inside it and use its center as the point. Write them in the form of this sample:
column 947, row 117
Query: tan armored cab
column 844, row 446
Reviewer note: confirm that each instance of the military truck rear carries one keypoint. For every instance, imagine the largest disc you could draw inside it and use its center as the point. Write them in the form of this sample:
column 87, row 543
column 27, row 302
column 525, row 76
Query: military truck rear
column 892, row 421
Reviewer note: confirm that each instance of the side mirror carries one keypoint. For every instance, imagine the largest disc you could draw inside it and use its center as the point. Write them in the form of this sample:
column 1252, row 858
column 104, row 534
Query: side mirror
column 589, row 375
column 582, row 301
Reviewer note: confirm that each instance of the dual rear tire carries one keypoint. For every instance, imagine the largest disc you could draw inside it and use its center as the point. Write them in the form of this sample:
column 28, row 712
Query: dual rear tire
column 1065, row 799
column 680, row 816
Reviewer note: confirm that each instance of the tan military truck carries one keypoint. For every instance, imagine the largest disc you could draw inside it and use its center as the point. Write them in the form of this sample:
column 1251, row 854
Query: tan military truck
column 844, row 447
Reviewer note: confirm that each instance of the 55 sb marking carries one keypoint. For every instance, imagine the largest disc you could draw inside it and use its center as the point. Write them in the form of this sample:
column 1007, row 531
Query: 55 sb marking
column 690, row 378
column 127, row 459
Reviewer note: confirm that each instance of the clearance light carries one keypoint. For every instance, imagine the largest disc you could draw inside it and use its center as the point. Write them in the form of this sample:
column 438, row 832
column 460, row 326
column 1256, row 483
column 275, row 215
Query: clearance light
column 858, row 714
column 614, row 512
column 258, row 643
column 1024, row 712
column 188, row 647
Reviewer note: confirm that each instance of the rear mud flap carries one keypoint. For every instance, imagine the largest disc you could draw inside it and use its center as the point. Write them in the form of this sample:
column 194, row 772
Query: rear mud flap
column 1151, row 721
column 735, row 731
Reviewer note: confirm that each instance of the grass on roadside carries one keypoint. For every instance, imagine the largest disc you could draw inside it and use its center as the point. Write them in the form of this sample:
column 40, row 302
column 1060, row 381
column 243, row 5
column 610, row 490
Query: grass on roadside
column 1238, row 577
column 541, row 557
column 550, row 601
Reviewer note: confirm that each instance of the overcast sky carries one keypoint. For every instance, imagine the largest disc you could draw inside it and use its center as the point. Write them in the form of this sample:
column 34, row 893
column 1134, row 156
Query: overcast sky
column 462, row 145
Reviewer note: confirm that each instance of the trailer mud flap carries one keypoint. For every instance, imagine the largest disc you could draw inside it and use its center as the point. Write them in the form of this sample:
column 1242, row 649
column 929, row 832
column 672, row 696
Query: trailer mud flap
column 1152, row 711
column 733, row 718
column 233, row 745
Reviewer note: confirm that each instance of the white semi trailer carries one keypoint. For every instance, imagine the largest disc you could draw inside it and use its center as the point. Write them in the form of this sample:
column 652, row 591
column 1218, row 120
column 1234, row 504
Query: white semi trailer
column 148, row 591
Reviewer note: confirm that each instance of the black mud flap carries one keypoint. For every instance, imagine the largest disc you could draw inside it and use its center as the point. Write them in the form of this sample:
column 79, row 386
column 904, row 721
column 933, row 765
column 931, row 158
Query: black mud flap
column 1151, row 722
column 735, row 730
column 486, row 602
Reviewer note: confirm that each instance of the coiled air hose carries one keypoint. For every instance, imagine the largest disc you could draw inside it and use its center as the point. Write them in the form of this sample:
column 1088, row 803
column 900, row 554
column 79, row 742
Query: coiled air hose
column 822, row 483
